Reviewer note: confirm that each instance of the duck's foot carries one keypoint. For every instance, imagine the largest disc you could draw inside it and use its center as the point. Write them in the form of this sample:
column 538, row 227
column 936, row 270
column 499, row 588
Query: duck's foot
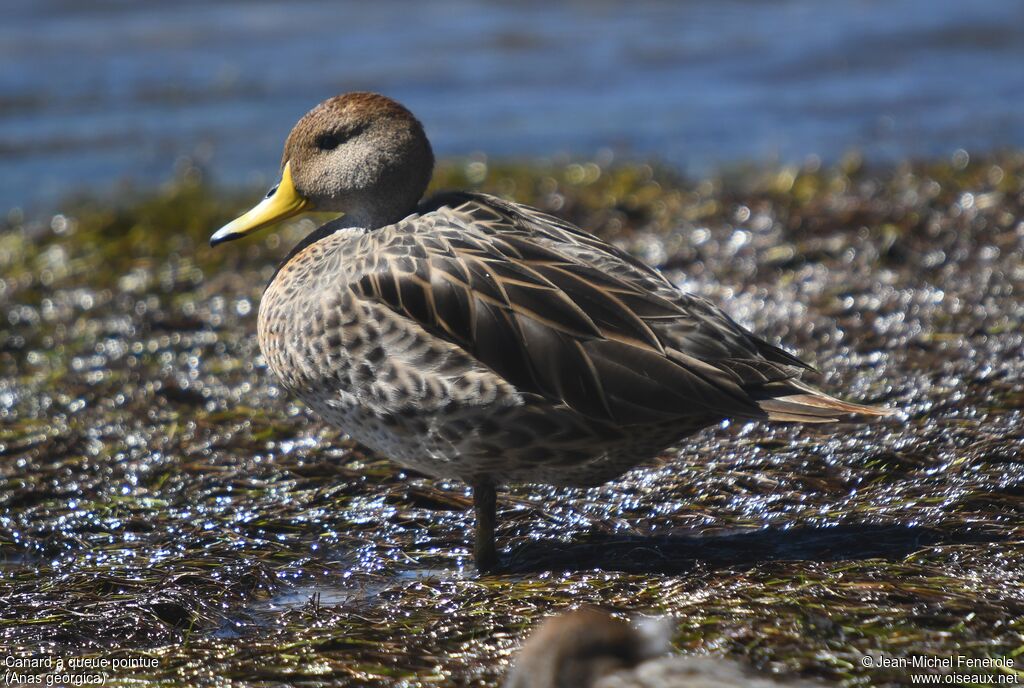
column 485, row 556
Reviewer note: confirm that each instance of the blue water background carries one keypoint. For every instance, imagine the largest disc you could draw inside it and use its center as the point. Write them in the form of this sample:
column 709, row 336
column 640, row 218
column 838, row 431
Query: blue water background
column 96, row 93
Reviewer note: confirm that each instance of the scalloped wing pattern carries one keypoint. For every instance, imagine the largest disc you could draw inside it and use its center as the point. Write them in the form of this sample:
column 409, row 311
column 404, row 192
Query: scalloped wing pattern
column 562, row 314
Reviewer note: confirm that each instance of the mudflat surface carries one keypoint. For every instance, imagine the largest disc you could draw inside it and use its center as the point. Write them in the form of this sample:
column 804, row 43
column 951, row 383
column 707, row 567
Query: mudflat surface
column 162, row 500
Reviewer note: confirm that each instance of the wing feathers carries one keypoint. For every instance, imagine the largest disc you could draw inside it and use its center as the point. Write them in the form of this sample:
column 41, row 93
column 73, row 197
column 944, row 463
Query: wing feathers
column 563, row 315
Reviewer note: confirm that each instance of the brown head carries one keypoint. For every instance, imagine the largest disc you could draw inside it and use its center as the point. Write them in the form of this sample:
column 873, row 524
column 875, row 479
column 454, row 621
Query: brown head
column 360, row 154
column 576, row 649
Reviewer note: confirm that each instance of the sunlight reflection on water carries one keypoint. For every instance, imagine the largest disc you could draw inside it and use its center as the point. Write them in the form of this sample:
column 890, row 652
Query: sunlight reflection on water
column 109, row 91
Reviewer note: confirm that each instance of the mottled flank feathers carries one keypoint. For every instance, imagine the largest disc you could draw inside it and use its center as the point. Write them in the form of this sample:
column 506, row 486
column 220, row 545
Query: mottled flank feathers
column 527, row 346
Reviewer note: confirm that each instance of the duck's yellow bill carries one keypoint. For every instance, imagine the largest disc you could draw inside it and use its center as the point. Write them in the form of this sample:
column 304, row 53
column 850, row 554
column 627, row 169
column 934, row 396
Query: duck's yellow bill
column 281, row 202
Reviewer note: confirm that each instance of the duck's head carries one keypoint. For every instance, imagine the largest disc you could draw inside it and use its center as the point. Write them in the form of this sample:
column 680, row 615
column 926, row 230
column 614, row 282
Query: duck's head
column 360, row 154
column 578, row 648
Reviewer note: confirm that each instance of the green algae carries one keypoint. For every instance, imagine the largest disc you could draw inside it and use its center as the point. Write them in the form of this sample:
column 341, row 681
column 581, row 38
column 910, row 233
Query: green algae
column 161, row 498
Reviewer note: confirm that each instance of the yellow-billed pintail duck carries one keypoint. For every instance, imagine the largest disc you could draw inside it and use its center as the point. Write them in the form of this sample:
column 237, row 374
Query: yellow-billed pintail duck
column 470, row 337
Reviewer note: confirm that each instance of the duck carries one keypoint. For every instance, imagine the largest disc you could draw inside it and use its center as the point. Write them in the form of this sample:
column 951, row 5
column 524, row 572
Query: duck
column 580, row 647
column 589, row 647
column 469, row 337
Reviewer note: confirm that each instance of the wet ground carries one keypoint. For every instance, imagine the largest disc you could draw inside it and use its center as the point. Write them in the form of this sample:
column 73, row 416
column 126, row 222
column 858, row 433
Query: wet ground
column 162, row 503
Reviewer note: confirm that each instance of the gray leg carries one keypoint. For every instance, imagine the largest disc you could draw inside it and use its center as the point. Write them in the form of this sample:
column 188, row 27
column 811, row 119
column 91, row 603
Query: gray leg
column 484, row 504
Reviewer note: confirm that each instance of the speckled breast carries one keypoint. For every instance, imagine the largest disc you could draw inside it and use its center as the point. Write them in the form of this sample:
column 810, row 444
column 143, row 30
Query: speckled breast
column 377, row 376
column 418, row 399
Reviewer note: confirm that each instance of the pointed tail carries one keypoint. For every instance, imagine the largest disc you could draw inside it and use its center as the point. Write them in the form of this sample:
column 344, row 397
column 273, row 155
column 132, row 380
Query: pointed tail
column 796, row 402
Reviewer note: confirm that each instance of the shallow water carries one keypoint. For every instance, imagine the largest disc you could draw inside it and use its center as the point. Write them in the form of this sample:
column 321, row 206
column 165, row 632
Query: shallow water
column 103, row 91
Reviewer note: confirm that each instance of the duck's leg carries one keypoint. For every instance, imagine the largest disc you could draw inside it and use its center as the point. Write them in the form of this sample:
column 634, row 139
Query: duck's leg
column 484, row 504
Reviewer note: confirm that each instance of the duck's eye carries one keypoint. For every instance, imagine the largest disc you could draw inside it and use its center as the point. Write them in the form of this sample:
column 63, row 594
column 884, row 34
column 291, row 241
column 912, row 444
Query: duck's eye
column 328, row 141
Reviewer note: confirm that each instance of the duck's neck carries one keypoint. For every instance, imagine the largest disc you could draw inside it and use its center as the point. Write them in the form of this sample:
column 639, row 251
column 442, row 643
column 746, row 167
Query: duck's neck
column 370, row 216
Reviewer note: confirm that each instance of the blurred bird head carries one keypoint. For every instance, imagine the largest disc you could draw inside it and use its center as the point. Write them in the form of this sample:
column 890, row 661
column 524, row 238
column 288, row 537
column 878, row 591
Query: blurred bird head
column 576, row 649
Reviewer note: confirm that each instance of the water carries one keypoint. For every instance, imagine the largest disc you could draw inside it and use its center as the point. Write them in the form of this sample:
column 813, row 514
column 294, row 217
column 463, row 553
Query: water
column 95, row 93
